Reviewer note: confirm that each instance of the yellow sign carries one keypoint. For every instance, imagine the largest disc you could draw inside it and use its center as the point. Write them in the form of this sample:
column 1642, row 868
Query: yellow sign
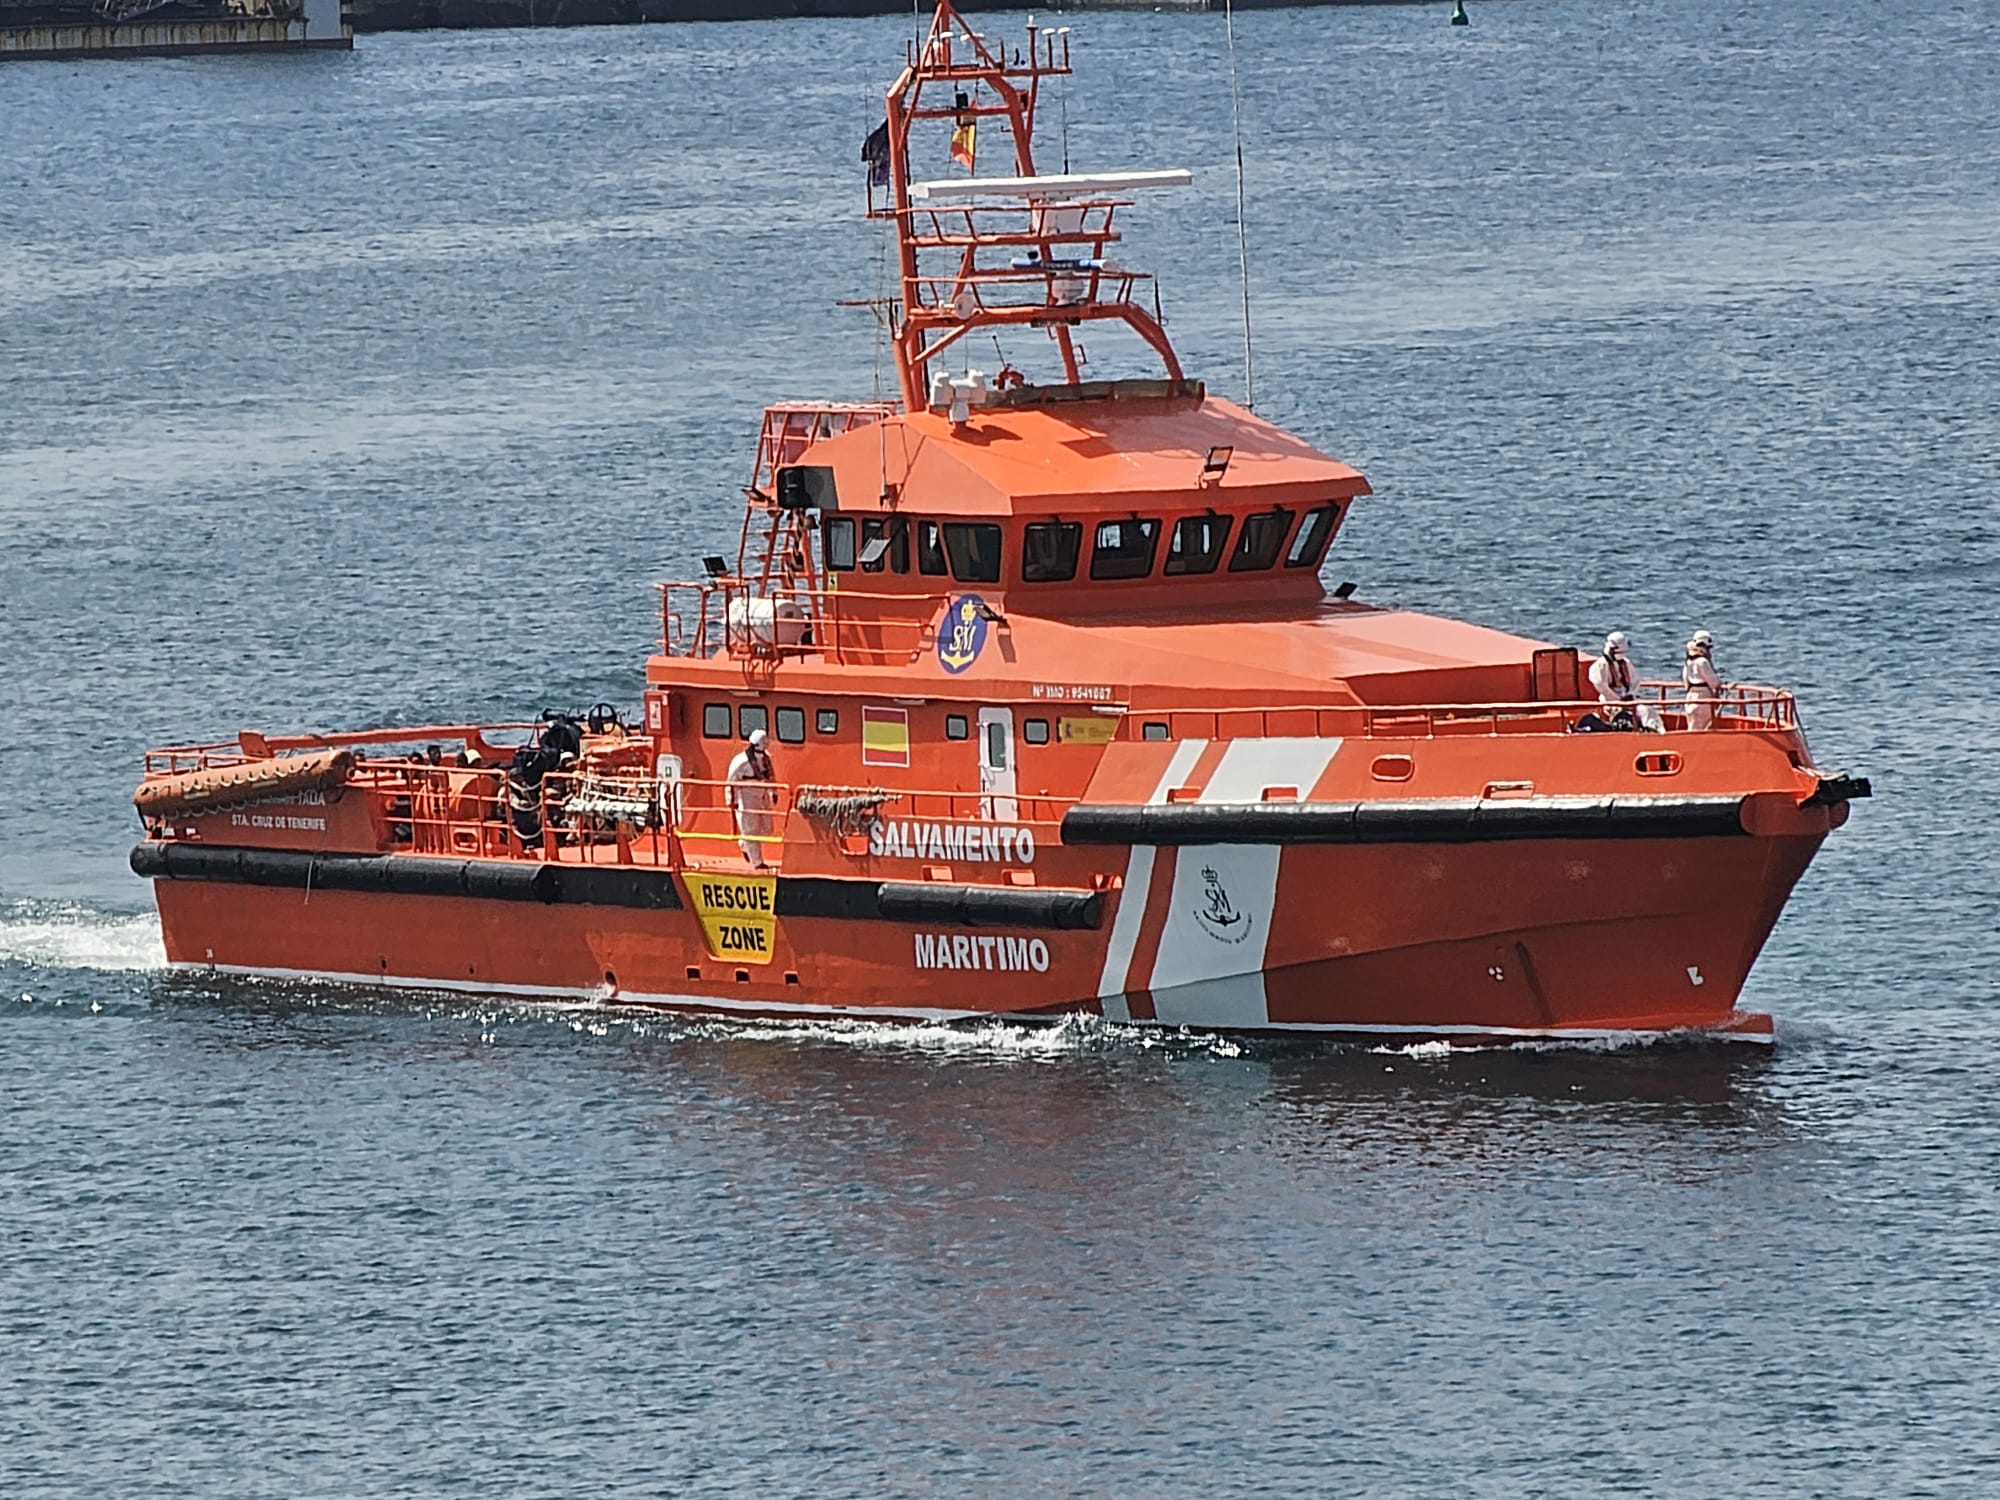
column 1089, row 729
column 738, row 914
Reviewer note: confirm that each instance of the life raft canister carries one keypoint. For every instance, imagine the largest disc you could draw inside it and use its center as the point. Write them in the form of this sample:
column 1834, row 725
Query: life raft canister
column 216, row 787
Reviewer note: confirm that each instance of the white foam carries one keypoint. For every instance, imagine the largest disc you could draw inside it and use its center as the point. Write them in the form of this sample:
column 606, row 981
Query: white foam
column 1440, row 1048
column 998, row 1039
column 1421, row 1049
column 59, row 935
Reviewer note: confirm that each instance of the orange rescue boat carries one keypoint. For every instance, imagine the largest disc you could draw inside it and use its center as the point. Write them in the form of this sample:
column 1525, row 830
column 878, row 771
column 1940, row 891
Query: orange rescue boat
column 1060, row 719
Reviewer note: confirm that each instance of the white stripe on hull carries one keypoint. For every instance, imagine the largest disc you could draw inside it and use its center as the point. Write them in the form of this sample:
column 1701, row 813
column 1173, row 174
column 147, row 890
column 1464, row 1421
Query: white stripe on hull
column 1248, row 767
column 1131, row 913
column 1210, row 968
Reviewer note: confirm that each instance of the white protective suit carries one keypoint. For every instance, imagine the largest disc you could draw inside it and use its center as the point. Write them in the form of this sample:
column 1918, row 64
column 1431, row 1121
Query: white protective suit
column 1616, row 682
column 1614, row 678
column 1704, row 686
column 752, row 798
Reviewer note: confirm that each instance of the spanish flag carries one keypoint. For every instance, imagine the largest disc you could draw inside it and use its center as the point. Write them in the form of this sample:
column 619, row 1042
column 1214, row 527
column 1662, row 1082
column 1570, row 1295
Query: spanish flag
column 885, row 736
column 965, row 144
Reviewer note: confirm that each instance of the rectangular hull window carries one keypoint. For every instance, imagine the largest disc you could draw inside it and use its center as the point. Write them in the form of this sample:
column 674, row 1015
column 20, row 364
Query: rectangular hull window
column 1124, row 549
column 974, row 548
column 1049, row 551
column 1315, row 531
column 1261, row 540
column 1197, row 546
column 837, row 534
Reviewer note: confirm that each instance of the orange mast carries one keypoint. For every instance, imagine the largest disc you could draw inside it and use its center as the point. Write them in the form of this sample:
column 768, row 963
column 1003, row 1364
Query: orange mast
column 1054, row 231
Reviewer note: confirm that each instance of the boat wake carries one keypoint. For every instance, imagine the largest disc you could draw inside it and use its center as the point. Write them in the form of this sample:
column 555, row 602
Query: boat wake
column 1010, row 1039
column 64, row 935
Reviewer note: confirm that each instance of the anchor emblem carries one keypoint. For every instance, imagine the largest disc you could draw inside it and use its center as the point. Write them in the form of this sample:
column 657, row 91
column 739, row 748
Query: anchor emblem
column 962, row 636
column 1217, row 914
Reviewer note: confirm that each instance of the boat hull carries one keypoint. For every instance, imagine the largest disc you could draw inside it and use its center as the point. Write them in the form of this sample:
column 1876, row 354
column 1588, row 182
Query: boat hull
column 1507, row 939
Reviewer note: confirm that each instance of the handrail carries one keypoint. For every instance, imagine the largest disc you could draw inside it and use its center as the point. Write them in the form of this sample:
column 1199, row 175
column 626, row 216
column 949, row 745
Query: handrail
column 167, row 760
column 591, row 815
column 791, row 427
column 820, row 623
column 1740, row 706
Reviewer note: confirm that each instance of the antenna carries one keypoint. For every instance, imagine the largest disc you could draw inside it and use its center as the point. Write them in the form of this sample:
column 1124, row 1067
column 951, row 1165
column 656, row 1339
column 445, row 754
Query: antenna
column 1062, row 96
column 1242, row 234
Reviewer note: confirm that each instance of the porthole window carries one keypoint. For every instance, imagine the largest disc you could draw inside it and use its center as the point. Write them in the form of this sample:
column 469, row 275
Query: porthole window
column 828, row 721
column 1036, row 731
column 792, row 726
column 751, row 717
column 957, row 727
column 1154, row 730
column 974, row 550
column 837, row 541
column 1197, row 545
column 715, row 721
column 1124, row 549
column 1049, row 550
column 1315, row 531
column 1261, row 540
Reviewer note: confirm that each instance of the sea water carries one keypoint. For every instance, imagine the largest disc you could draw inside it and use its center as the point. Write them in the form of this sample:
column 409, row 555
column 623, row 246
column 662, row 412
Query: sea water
column 374, row 388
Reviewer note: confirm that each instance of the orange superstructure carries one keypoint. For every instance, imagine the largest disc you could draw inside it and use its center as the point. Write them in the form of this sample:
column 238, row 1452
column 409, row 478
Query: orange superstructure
column 1059, row 714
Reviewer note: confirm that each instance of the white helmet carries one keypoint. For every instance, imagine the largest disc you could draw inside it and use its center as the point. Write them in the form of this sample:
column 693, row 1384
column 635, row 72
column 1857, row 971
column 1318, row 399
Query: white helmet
column 1614, row 643
column 1701, row 638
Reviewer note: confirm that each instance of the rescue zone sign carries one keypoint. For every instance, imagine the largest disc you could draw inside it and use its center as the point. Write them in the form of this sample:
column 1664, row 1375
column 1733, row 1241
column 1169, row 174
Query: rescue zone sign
column 738, row 914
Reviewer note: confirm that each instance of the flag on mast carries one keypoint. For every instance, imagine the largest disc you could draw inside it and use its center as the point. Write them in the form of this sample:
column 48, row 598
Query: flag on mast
column 875, row 155
column 965, row 144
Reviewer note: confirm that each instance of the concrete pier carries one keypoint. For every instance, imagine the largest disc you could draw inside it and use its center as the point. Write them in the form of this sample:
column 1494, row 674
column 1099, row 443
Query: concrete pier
column 50, row 32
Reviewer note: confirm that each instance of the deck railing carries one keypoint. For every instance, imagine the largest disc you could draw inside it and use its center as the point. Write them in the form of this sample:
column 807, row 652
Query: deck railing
column 610, row 809
column 728, row 617
column 1659, row 705
column 658, row 821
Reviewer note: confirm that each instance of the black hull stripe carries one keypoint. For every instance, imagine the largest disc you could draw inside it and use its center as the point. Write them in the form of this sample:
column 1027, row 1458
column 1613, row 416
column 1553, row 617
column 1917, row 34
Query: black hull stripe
column 1452, row 820
column 410, row 875
column 612, row 885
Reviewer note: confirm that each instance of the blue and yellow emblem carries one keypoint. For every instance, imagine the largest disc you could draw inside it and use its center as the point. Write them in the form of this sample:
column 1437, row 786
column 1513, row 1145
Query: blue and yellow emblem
column 962, row 636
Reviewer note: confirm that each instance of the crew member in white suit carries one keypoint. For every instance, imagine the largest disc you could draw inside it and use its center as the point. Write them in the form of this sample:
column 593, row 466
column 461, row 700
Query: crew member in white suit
column 1698, row 675
column 752, row 797
column 1612, row 675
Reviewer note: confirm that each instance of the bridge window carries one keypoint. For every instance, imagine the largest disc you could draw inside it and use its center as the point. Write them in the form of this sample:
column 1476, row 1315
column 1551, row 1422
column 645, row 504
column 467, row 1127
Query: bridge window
column 751, row 717
column 1124, row 549
column 1049, row 550
column 957, row 727
column 1035, row 731
column 837, row 542
column 1261, row 540
column 930, row 550
column 1197, row 545
column 827, row 721
column 715, row 721
column 1315, row 531
column 792, row 726
column 974, row 549
column 885, row 542
column 1154, row 730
